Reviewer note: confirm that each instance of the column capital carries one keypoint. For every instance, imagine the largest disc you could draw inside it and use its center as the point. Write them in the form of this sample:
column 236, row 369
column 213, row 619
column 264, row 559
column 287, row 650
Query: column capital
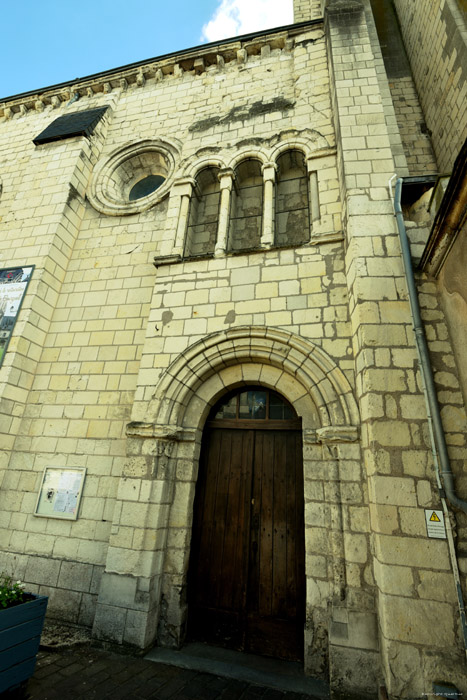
column 269, row 171
column 184, row 186
column 226, row 178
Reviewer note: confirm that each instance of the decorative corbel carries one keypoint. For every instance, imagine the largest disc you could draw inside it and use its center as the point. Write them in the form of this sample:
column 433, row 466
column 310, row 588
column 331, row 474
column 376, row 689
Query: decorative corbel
column 199, row 66
column 242, row 56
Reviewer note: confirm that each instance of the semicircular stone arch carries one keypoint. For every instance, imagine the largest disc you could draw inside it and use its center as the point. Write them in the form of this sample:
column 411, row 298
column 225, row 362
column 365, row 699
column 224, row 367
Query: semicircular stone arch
column 196, row 167
column 309, row 379
column 308, row 148
column 258, row 154
column 297, row 368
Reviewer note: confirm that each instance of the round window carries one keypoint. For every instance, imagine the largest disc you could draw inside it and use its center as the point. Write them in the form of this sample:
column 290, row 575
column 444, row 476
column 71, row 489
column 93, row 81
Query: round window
column 133, row 178
column 148, row 184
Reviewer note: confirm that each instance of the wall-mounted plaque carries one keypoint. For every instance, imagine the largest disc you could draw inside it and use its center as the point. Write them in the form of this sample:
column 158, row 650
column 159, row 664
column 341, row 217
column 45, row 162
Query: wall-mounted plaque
column 60, row 493
column 13, row 284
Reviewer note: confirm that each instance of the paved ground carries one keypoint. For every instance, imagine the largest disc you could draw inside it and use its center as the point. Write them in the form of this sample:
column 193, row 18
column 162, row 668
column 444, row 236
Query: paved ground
column 85, row 672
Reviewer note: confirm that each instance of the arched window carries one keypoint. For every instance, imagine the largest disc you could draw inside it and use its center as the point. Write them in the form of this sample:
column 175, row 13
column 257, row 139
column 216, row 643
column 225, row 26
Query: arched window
column 204, row 214
column 247, row 207
column 253, row 404
column 292, row 200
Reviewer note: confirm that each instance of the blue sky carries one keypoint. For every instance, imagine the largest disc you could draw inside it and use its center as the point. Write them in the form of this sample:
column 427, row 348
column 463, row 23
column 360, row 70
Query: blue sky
column 45, row 42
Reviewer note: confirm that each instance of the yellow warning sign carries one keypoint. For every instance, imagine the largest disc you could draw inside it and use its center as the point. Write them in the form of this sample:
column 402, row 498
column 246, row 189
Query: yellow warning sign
column 435, row 523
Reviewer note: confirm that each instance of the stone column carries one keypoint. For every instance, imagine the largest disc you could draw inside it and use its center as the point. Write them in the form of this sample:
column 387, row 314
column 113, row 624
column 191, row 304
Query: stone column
column 313, row 192
column 184, row 190
column 269, row 179
column 226, row 179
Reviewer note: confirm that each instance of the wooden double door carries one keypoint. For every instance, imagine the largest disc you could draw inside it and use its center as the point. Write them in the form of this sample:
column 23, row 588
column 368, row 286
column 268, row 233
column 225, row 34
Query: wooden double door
column 246, row 578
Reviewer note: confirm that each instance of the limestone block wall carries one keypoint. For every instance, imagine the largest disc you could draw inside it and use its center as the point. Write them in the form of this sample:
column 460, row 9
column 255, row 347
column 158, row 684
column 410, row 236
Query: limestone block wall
column 42, row 204
column 302, row 292
column 435, row 36
column 410, row 139
column 69, row 378
column 128, row 336
column 307, row 9
column 412, row 128
column 394, row 430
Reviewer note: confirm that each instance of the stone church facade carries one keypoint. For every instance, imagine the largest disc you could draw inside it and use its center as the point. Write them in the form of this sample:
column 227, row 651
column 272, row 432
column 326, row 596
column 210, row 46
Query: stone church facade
column 216, row 258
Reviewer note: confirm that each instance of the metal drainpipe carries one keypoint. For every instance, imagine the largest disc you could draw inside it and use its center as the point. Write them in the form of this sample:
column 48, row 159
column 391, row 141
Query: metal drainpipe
column 438, row 442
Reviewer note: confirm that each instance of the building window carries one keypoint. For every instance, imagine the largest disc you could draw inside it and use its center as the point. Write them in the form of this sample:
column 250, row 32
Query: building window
column 144, row 187
column 247, row 207
column 204, row 214
column 292, row 200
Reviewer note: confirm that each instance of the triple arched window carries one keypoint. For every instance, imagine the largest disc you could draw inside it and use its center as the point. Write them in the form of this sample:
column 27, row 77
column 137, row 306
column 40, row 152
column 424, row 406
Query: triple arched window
column 253, row 206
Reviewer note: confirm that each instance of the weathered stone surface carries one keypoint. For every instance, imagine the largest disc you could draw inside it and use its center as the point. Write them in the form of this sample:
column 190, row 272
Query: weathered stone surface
column 411, row 551
column 415, row 621
column 268, row 255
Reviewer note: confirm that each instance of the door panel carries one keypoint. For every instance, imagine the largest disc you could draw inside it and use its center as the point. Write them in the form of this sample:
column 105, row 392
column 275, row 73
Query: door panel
column 219, row 563
column 246, row 579
column 275, row 604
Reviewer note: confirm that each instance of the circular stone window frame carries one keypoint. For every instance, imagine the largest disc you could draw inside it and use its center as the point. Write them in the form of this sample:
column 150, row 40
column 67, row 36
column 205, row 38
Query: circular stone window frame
column 103, row 194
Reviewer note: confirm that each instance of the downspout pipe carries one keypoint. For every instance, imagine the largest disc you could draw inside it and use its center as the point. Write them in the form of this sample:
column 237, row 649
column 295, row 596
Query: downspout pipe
column 425, row 363
column 438, row 442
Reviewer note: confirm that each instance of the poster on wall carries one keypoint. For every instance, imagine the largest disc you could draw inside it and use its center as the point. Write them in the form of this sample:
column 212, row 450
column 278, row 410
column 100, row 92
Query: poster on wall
column 60, row 492
column 13, row 284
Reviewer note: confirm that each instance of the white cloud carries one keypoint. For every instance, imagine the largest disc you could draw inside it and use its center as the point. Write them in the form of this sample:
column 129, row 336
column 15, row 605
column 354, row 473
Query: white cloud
column 234, row 17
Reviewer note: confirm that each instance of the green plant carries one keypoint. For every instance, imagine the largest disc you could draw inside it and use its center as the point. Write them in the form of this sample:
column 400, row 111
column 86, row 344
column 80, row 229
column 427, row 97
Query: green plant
column 11, row 592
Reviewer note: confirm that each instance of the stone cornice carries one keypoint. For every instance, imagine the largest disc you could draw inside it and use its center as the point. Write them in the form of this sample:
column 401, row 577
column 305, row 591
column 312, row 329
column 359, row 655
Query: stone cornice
column 195, row 61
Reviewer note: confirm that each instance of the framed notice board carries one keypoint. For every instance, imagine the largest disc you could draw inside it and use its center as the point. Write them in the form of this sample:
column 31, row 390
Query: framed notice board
column 60, row 492
column 13, row 285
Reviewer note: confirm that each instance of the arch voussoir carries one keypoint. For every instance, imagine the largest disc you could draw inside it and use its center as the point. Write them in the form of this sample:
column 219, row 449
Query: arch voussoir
column 274, row 356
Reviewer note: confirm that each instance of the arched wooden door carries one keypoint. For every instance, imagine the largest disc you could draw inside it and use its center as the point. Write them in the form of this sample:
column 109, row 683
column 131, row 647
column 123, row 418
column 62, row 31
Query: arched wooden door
column 247, row 570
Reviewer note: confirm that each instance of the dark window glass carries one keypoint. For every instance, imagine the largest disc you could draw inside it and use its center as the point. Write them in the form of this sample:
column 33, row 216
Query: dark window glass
column 252, row 405
column 278, row 409
column 228, row 409
column 145, row 186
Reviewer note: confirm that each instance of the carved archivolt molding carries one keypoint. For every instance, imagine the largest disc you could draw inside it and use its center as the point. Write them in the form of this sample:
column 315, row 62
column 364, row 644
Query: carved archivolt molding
column 312, row 145
column 305, row 362
column 116, row 174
